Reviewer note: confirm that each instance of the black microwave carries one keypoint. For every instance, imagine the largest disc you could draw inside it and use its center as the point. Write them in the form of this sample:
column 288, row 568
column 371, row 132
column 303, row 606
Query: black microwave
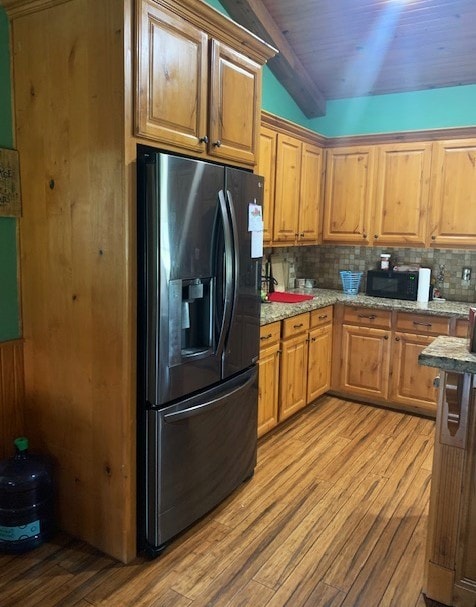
column 398, row 285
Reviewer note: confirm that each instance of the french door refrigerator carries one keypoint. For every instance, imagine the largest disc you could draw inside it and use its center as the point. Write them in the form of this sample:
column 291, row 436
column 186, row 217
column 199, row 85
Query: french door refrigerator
column 198, row 340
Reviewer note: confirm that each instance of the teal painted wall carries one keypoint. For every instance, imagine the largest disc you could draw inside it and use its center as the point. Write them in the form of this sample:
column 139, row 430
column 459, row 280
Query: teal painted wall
column 9, row 308
column 431, row 109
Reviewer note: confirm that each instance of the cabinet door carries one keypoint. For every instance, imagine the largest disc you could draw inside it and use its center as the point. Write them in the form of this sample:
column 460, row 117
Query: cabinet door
column 402, row 194
column 267, row 168
column 292, row 393
column 288, row 176
column 412, row 384
column 319, row 362
column 365, row 361
column 268, row 365
column 171, row 72
column 310, row 193
column 348, row 194
column 235, row 98
column 453, row 213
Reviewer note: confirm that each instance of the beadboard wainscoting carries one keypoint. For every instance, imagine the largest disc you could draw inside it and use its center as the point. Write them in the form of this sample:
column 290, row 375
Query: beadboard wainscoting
column 11, row 394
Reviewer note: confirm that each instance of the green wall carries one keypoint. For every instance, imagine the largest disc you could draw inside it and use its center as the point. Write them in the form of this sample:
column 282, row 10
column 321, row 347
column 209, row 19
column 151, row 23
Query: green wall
column 430, row 109
column 9, row 308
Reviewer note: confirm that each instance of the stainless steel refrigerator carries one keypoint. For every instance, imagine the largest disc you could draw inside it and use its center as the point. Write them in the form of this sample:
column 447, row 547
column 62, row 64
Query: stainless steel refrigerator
column 198, row 340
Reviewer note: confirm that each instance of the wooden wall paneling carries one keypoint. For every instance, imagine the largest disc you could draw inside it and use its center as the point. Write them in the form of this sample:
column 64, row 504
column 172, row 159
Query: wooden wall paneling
column 11, row 395
column 75, row 254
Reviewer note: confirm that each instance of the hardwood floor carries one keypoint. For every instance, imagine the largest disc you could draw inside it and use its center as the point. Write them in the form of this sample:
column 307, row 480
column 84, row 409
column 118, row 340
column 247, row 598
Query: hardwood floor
column 334, row 516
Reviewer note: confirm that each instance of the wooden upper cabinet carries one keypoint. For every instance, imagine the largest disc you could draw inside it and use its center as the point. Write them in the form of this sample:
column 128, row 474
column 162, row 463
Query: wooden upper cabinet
column 310, row 193
column 194, row 90
column 288, row 175
column 267, row 168
column 298, row 191
column 402, row 194
column 172, row 79
column 348, row 194
column 235, row 97
column 453, row 195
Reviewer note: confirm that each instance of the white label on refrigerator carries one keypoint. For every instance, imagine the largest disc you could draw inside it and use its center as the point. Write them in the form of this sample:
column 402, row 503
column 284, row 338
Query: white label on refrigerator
column 255, row 218
column 257, row 244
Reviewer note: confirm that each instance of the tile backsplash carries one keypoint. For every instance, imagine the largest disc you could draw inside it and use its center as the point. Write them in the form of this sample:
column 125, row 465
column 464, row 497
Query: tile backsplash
column 324, row 262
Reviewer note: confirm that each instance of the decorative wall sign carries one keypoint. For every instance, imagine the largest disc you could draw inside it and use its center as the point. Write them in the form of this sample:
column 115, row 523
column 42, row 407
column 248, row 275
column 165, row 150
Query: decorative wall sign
column 10, row 195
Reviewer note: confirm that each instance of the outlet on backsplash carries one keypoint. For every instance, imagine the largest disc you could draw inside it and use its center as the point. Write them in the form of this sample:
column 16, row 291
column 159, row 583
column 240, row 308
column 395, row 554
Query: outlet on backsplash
column 324, row 262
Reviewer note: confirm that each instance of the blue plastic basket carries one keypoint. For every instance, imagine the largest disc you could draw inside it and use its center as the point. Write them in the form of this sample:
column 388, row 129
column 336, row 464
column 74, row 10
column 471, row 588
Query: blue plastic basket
column 350, row 281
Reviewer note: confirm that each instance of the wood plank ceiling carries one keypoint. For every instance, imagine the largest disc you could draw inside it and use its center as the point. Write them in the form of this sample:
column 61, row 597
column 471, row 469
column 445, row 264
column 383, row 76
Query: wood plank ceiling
column 332, row 49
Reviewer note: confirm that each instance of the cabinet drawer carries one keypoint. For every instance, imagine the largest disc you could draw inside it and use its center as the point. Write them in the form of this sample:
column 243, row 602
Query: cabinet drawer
column 368, row 317
column 321, row 316
column 295, row 325
column 269, row 334
column 422, row 323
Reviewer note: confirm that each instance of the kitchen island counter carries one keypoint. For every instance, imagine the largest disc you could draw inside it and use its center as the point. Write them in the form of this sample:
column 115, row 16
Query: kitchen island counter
column 271, row 312
column 449, row 354
column 450, row 569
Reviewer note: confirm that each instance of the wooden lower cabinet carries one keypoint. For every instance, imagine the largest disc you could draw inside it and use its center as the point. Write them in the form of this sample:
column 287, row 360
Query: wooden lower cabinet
column 296, row 370
column 412, row 384
column 376, row 356
column 450, row 575
column 319, row 357
column 293, row 374
column 268, row 365
column 365, row 361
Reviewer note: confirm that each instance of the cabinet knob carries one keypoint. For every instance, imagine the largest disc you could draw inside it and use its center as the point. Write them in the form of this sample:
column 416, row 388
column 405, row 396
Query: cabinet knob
column 397, row 339
column 301, row 234
column 203, row 139
column 375, row 236
column 364, row 235
column 385, row 336
column 217, row 143
column 433, row 237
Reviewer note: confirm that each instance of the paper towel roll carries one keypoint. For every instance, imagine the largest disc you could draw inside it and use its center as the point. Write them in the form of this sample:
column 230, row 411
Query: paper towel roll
column 424, row 276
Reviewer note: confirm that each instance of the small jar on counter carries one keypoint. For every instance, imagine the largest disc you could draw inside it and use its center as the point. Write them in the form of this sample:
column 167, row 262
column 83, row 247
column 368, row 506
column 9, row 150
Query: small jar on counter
column 385, row 261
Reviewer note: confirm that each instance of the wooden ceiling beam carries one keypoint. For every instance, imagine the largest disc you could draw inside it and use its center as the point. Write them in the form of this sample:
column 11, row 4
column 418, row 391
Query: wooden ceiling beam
column 287, row 68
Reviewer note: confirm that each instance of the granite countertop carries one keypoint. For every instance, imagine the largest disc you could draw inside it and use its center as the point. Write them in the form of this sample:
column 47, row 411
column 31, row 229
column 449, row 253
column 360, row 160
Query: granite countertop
column 271, row 312
column 449, row 354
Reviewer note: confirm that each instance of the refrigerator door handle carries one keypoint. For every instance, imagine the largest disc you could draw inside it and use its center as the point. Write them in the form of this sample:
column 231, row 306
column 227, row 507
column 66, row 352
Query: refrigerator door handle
column 236, row 247
column 208, row 406
column 228, row 271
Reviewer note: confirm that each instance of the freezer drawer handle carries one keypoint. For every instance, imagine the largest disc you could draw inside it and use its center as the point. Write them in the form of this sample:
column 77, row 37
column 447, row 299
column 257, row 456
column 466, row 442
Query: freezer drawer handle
column 204, row 407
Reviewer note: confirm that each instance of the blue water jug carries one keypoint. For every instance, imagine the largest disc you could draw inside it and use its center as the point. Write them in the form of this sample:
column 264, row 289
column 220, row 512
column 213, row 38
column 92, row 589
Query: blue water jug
column 26, row 500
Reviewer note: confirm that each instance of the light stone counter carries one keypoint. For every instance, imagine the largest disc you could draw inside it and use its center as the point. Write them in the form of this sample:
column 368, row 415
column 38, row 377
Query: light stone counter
column 449, row 354
column 274, row 311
